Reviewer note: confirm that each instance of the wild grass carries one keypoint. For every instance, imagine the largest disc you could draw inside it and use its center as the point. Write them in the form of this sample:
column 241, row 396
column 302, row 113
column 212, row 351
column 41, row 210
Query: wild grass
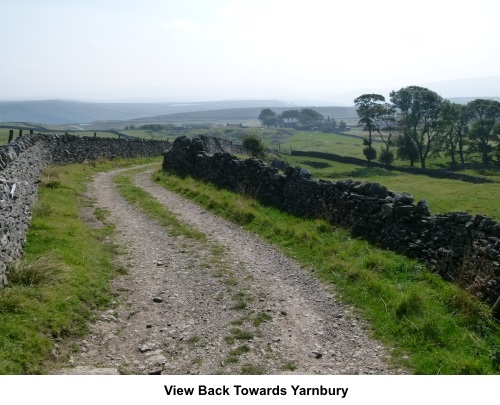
column 64, row 277
column 38, row 272
column 433, row 326
column 241, row 300
column 260, row 318
column 252, row 369
column 234, row 355
column 289, row 366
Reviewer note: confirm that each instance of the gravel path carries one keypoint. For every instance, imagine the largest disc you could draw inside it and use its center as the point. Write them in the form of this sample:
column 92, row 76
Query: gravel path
column 228, row 306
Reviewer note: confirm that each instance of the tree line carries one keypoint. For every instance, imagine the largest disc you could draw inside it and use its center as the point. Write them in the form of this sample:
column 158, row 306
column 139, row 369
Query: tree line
column 306, row 118
column 418, row 123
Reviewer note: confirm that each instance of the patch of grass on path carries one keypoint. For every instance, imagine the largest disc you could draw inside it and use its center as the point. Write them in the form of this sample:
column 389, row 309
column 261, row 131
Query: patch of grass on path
column 433, row 326
column 154, row 209
column 65, row 275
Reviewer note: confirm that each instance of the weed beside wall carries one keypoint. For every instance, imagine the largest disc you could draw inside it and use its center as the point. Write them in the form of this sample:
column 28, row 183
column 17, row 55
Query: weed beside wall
column 458, row 246
column 21, row 163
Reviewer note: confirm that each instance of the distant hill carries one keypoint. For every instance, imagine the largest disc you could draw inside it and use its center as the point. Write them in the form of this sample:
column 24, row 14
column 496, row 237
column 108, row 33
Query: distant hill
column 75, row 112
column 237, row 115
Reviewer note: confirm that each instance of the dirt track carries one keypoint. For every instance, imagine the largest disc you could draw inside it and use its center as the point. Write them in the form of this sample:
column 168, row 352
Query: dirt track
column 232, row 305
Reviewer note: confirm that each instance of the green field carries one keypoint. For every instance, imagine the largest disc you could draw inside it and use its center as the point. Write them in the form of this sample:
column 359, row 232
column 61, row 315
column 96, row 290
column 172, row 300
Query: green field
column 321, row 142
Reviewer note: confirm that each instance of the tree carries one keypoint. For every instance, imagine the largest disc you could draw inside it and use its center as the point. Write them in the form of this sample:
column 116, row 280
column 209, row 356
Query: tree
column 329, row 125
column 369, row 152
column 386, row 157
column 369, row 109
column 386, row 128
column 310, row 118
column 268, row 118
column 483, row 115
column 419, row 110
column 406, row 149
column 454, row 122
column 254, row 145
column 342, row 125
column 290, row 115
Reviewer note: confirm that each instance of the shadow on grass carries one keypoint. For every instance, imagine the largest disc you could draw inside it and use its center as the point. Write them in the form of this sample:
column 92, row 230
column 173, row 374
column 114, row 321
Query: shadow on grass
column 364, row 172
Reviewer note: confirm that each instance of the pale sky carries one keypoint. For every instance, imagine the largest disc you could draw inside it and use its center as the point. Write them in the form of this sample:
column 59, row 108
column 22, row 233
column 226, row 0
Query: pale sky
column 237, row 49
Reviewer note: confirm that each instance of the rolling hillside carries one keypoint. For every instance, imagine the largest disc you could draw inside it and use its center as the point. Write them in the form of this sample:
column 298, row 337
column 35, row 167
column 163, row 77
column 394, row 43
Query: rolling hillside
column 76, row 112
column 237, row 115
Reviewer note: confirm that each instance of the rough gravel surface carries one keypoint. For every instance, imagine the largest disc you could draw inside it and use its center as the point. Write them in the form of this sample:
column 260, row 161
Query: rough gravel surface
column 230, row 305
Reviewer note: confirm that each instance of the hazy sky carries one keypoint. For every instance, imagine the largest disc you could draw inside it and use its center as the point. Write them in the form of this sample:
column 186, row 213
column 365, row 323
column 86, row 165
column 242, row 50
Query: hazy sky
column 219, row 49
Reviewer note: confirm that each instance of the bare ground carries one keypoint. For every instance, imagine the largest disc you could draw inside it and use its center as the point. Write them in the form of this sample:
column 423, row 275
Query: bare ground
column 231, row 305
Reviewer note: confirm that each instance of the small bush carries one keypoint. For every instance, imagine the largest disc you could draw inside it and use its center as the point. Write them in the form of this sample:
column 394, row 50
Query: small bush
column 254, row 145
column 370, row 153
column 386, row 157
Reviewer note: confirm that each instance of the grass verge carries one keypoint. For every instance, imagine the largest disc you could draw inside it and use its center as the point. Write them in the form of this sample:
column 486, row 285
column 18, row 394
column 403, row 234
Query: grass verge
column 64, row 276
column 433, row 326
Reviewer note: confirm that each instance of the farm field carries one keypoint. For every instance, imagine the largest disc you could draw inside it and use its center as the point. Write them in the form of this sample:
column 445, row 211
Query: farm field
column 345, row 145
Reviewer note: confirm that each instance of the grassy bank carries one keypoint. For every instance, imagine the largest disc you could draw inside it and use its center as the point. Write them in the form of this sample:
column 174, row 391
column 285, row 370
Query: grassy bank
column 65, row 275
column 433, row 326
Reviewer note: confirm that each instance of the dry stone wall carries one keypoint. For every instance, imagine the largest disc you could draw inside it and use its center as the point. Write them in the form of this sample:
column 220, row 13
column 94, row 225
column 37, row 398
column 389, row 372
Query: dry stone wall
column 21, row 163
column 457, row 245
